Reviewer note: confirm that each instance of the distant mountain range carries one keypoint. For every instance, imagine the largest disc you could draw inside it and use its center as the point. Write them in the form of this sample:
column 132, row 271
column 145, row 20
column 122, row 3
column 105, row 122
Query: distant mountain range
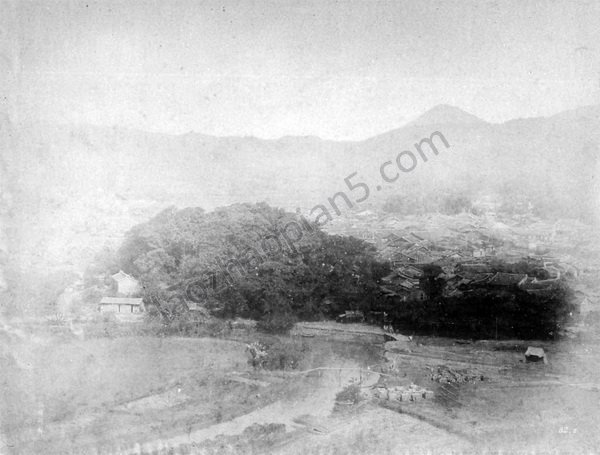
column 73, row 187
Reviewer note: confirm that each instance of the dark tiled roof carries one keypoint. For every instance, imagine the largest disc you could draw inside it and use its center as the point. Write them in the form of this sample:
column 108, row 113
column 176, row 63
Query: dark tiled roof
column 507, row 279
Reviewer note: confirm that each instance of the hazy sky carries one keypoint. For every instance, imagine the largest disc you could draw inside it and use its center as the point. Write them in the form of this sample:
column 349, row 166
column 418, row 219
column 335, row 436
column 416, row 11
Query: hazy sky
column 336, row 69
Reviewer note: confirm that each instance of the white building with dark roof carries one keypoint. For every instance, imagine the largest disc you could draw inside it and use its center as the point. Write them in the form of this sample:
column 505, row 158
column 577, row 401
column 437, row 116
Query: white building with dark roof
column 126, row 284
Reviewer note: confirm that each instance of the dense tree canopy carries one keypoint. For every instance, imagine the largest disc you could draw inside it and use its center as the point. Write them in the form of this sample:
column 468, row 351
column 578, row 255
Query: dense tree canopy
column 487, row 311
column 251, row 260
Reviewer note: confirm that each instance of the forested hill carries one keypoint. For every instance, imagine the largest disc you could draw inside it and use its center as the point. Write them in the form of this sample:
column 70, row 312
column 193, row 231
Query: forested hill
column 246, row 260
column 264, row 263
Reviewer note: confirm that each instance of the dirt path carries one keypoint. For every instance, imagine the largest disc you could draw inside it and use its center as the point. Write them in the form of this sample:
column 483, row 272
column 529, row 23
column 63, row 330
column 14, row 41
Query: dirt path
column 319, row 403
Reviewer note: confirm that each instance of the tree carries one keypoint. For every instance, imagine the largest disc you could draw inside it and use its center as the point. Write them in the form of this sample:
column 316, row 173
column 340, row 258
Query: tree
column 454, row 204
column 169, row 306
column 429, row 282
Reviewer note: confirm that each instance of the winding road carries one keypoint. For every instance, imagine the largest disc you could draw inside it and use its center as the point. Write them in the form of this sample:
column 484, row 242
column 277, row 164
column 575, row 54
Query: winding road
column 319, row 403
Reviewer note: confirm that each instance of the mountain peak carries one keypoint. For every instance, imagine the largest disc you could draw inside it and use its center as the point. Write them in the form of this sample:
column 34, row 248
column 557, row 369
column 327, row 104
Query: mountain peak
column 446, row 114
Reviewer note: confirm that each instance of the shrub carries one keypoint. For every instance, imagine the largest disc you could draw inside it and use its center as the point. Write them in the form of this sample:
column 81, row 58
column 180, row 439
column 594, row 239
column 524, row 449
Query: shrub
column 258, row 354
column 349, row 394
column 275, row 355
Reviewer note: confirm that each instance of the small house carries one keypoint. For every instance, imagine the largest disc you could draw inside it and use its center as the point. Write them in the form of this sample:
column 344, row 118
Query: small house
column 351, row 316
column 535, row 355
column 121, row 305
column 409, row 271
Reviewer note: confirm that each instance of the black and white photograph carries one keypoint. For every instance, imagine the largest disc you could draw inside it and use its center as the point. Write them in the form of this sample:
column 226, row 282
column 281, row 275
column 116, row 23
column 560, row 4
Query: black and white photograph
column 299, row 227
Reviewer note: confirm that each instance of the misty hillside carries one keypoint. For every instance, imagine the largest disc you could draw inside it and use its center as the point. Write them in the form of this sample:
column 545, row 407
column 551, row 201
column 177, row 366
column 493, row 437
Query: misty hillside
column 74, row 188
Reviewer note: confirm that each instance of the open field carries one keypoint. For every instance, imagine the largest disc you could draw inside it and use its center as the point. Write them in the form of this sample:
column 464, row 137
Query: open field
column 69, row 395
column 542, row 407
column 142, row 394
column 90, row 393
